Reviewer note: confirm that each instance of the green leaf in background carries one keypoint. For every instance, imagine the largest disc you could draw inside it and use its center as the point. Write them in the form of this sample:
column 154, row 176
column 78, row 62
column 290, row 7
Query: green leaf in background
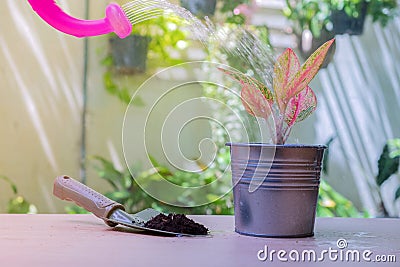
column 386, row 165
column 324, row 212
column 17, row 204
column 383, row 10
column 333, row 204
column 73, row 209
column 135, row 199
column 394, row 147
column 112, row 88
column 397, row 195
column 12, row 185
column 227, row 8
column 138, row 102
column 315, row 27
column 153, row 161
column 108, row 172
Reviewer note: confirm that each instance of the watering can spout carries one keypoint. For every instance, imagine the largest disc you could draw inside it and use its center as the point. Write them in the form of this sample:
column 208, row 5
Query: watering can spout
column 115, row 20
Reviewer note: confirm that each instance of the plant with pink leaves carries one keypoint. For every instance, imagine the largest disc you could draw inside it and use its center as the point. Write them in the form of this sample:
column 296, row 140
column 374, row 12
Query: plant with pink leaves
column 291, row 100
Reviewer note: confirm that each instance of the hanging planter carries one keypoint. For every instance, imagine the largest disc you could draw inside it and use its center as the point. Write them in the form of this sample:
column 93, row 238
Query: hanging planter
column 310, row 22
column 130, row 54
column 307, row 44
column 200, row 8
column 343, row 23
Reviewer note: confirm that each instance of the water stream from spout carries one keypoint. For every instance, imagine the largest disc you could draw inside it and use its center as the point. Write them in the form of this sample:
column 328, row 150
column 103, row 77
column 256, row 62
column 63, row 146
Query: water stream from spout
column 239, row 43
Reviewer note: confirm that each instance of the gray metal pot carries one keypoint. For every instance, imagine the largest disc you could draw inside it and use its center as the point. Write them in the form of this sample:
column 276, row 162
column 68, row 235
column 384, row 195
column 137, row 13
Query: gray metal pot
column 275, row 188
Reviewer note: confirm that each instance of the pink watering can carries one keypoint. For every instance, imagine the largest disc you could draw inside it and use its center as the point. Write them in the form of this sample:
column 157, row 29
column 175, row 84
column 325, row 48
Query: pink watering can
column 118, row 19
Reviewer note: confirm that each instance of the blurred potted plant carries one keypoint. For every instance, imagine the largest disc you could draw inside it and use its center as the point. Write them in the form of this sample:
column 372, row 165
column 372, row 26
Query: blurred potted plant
column 154, row 43
column 154, row 39
column 276, row 185
column 200, row 8
column 348, row 16
column 312, row 25
column 339, row 16
column 129, row 55
column 382, row 11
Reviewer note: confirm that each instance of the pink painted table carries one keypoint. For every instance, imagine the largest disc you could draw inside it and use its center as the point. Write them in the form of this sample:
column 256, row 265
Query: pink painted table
column 84, row 240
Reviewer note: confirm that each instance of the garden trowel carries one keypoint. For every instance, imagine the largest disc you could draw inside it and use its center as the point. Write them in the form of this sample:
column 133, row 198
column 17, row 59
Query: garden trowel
column 106, row 209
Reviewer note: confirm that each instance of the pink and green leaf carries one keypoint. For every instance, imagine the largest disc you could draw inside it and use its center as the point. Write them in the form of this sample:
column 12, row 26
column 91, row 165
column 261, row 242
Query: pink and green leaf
column 256, row 97
column 300, row 106
column 295, row 100
column 285, row 68
column 308, row 71
column 245, row 79
column 254, row 102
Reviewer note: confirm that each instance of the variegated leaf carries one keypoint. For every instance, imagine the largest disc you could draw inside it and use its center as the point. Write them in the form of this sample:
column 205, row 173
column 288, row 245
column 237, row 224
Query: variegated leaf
column 301, row 106
column 308, row 71
column 285, row 68
column 245, row 79
column 254, row 102
column 256, row 97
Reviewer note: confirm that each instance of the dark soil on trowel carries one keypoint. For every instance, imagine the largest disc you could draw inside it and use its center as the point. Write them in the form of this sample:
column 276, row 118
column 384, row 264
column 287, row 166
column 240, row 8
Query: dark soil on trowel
column 177, row 223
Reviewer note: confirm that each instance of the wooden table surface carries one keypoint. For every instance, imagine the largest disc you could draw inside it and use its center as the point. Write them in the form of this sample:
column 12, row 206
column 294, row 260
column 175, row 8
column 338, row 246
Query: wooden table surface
column 84, row 240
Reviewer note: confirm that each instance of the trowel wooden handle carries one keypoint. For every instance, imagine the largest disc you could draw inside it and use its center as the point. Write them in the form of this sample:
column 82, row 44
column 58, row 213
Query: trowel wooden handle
column 69, row 189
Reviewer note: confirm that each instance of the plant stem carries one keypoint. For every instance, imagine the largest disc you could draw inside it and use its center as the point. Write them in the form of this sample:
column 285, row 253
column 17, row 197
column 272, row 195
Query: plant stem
column 288, row 130
column 271, row 130
column 279, row 131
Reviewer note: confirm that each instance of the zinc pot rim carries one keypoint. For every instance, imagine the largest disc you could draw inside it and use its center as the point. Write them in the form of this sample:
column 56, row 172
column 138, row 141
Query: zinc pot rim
column 277, row 146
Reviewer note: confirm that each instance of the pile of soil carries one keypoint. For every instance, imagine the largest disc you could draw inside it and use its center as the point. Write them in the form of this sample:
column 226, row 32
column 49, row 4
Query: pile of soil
column 177, row 223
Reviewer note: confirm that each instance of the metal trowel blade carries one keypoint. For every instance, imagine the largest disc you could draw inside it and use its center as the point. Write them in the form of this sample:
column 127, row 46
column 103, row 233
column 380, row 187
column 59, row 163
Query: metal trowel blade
column 138, row 220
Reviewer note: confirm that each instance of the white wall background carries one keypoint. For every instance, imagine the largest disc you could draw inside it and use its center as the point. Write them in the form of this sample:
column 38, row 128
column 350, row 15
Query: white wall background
column 40, row 94
column 360, row 104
